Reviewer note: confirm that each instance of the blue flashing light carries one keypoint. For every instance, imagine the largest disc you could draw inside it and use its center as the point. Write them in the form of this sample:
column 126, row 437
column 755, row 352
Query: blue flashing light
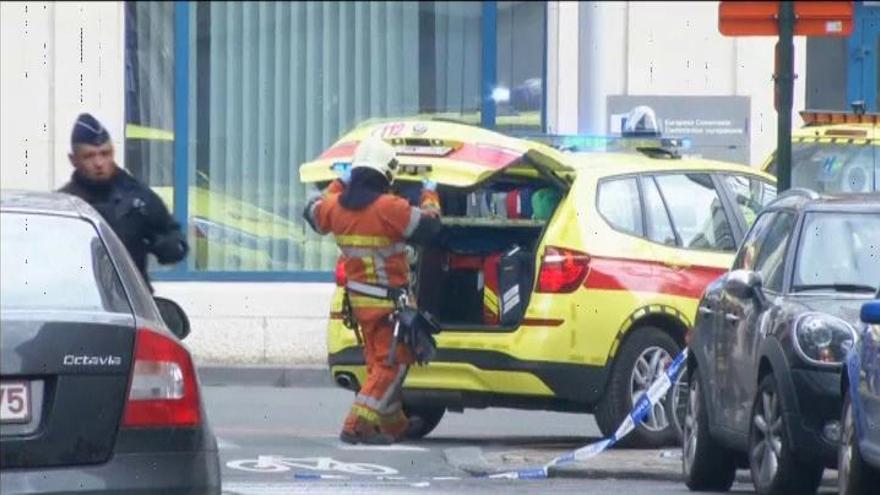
column 603, row 143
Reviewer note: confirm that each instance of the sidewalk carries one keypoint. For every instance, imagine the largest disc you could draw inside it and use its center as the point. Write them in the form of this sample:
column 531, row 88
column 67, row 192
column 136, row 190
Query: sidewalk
column 218, row 375
column 633, row 464
column 659, row 464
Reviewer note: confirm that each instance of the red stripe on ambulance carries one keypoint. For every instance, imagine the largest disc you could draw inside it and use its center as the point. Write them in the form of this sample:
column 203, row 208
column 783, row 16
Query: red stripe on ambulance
column 484, row 155
column 650, row 276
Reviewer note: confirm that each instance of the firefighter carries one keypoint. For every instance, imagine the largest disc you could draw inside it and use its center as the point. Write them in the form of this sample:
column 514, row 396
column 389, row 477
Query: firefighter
column 372, row 227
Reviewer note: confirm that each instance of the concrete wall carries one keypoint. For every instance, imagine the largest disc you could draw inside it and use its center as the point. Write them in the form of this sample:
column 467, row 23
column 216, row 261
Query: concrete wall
column 674, row 48
column 56, row 60
column 254, row 323
column 562, row 67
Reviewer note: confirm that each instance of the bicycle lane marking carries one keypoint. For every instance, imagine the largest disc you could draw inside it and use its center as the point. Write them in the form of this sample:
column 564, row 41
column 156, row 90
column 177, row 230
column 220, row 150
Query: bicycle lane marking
column 272, row 464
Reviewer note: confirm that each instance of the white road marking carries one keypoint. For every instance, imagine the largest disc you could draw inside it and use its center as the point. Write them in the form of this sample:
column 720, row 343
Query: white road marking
column 310, row 487
column 268, row 464
column 446, row 478
column 224, row 444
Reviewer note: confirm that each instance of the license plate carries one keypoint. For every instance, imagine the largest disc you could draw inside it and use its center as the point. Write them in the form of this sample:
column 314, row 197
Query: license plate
column 15, row 402
column 423, row 150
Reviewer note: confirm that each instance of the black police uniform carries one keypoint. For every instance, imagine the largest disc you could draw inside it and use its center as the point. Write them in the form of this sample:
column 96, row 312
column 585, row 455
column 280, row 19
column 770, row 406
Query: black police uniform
column 136, row 214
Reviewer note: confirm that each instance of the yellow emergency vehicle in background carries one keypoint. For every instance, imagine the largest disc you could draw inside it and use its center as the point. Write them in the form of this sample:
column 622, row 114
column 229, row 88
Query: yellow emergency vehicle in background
column 563, row 281
column 834, row 152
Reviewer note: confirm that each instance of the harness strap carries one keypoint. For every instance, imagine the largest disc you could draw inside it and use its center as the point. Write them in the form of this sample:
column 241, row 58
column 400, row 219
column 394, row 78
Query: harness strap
column 376, row 291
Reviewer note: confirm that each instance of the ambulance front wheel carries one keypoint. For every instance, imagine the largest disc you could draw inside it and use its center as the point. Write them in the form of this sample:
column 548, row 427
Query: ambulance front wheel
column 430, row 416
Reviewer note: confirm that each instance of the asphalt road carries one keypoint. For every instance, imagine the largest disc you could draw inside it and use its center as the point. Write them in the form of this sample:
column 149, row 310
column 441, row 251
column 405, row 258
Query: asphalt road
column 281, row 440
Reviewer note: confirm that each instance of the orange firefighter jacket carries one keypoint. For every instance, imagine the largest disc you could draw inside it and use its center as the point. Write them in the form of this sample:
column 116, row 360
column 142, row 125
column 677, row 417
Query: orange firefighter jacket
column 373, row 240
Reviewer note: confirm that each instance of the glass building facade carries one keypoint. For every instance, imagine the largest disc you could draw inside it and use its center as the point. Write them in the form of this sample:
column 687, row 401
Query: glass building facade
column 258, row 88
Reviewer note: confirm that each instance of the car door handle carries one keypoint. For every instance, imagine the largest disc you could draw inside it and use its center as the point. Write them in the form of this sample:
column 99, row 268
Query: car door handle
column 732, row 318
column 706, row 310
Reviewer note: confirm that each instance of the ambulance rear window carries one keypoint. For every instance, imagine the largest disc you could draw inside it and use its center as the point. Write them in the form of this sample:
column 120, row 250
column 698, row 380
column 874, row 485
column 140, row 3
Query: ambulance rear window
column 834, row 167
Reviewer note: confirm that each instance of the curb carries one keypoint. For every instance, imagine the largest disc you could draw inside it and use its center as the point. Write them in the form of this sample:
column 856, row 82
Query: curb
column 469, row 460
column 582, row 472
column 571, row 472
column 265, row 376
column 585, row 472
column 473, row 461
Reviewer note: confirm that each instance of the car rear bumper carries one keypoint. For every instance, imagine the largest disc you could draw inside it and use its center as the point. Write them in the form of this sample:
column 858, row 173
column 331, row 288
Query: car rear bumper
column 485, row 372
column 165, row 473
column 819, row 401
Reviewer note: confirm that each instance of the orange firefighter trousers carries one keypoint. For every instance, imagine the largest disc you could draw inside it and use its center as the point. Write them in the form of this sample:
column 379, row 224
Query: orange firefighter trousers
column 378, row 404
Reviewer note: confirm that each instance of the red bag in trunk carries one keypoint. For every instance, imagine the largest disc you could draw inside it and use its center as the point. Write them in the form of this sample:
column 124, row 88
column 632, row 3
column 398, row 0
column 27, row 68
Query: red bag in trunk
column 491, row 300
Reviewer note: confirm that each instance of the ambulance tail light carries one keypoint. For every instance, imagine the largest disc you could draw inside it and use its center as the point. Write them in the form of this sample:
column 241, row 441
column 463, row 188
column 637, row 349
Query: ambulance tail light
column 340, row 273
column 562, row 270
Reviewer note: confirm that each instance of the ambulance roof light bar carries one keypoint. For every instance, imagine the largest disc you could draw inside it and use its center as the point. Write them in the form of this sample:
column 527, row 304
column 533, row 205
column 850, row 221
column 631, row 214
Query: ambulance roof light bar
column 583, row 143
column 830, row 117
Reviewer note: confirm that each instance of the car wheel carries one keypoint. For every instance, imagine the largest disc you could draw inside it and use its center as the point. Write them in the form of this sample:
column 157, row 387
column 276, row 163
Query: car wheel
column 642, row 359
column 706, row 465
column 430, row 416
column 774, row 468
column 854, row 475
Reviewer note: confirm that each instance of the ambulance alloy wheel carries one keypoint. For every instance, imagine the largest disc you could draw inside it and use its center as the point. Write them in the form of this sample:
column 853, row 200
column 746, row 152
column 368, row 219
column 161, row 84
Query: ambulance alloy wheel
column 430, row 416
column 706, row 464
column 642, row 358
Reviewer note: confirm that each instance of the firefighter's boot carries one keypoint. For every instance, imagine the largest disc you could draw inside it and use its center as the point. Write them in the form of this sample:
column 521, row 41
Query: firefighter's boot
column 358, row 430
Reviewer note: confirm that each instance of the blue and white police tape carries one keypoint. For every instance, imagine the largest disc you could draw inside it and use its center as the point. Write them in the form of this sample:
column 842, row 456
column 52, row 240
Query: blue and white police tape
column 643, row 405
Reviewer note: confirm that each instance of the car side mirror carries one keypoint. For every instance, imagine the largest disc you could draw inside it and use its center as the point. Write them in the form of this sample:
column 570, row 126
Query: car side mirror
column 173, row 316
column 871, row 312
column 745, row 284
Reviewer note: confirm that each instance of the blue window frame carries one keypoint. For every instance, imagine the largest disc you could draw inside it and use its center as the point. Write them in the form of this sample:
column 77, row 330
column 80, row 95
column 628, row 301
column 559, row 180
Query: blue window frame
column 186, row 46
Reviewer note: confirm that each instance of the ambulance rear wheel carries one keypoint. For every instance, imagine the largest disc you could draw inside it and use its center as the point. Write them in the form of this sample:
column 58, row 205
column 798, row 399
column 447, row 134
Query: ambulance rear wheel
column 430, row 416
column 642, row 358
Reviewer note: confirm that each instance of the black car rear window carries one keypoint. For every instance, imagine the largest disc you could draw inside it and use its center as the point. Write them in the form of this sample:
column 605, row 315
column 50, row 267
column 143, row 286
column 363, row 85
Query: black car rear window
column 50, row 262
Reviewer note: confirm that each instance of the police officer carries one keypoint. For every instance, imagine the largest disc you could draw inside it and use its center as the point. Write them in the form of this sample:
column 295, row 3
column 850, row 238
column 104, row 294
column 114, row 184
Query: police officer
column 372, row 227
column 135, row 213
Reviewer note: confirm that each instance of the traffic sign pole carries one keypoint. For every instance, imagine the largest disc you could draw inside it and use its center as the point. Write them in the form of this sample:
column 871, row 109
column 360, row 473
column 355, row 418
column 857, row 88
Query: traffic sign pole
column 785, row 19
column 785, row 91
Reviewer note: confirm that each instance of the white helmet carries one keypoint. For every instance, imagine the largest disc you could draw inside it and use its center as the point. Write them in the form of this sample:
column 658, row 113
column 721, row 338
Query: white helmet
column 375, row 154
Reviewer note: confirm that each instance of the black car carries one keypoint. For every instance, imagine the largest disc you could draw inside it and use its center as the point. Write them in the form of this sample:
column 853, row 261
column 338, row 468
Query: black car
column 98, row 394
column 769, row 341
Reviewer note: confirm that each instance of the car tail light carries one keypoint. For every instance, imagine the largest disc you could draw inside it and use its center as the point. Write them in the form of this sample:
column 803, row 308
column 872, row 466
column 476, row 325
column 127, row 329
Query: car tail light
column 163, row 389
column 562, row 270
column 340, row 273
